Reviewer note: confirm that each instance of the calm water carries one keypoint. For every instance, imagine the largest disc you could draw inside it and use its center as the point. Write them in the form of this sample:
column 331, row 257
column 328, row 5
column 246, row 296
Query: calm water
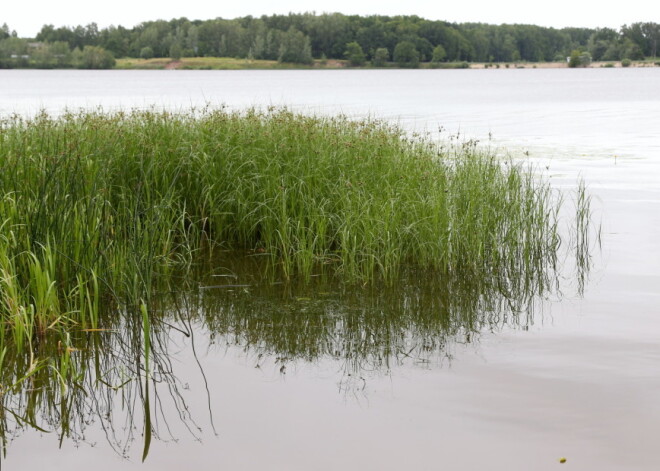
column 312, row 378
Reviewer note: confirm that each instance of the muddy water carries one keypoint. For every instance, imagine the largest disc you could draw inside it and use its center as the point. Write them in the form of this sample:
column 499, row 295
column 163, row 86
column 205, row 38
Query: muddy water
column 416, row 388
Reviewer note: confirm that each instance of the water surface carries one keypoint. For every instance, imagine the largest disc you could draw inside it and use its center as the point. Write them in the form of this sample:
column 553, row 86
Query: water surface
column 317, row 377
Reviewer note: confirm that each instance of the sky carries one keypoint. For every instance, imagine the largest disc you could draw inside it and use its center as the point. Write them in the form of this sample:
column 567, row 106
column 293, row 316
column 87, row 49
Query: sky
column 28, row 16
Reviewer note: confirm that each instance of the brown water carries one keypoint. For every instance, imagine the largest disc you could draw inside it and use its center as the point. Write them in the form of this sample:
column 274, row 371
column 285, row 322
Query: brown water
column 575, row 377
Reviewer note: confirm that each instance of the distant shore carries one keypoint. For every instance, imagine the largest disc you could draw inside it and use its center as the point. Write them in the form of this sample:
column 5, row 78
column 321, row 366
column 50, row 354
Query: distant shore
column 229, row 63
column 560, row 65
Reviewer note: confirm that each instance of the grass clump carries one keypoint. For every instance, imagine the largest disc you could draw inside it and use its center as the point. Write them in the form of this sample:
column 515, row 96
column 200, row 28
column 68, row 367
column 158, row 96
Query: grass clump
column 102, row 213
column 98, row 208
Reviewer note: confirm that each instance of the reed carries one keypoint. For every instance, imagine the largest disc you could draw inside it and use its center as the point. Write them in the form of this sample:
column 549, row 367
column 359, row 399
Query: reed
column 102, row 215
column 100, row 209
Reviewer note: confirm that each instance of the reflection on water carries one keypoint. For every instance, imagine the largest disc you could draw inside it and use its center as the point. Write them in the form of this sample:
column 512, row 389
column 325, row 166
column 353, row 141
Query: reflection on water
column 95, row 378
column 364, row 327
column 122, row 379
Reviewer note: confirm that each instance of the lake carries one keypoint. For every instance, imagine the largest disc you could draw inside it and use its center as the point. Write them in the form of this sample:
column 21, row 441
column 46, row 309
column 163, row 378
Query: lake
column 320, row 377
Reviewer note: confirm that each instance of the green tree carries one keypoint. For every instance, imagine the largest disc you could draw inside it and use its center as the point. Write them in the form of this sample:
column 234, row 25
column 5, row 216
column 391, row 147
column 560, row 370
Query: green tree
column 652, row 35
column 95, row 57
column 192, row 39
column 631, row 50
column 478, row 38
column 329, row 33
column 14, row 52
column 4, row 31
column 295, row 47
column 176, row 51
column 439, row 54
column 49, row 34
column 598, row 48
column 153, row 35
column 585, row 59
column 579, row 58
column 116, row 40
column 425, row 49
column 146, row 52
column 613, row 52
column 406, row 55
column 61, row 54
column 52, row 55
column 284, row 36
column 355, row 54
column 381, row 56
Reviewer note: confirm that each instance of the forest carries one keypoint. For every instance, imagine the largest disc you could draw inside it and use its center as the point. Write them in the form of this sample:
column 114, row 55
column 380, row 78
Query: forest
column 404, row 41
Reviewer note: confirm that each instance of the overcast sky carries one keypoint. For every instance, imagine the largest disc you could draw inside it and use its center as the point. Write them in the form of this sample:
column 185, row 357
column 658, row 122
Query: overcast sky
column 28, row 16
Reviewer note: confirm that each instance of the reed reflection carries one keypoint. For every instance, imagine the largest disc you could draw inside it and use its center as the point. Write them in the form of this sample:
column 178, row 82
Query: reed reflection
column 121, row 378
column 368, row 327
column 118, row 379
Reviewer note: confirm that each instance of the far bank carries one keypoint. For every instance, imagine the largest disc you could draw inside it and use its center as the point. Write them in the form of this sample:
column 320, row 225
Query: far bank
column 230, row 63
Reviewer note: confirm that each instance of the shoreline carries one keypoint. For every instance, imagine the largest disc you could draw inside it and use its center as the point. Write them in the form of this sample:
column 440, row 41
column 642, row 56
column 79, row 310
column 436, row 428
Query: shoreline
column 228, row 63
column 561, row 65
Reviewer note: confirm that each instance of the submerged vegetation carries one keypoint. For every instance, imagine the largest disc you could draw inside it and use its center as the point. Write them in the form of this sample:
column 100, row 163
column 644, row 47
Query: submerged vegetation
column 103, row 214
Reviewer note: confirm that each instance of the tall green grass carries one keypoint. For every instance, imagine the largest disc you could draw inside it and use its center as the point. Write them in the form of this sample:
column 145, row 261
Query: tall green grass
column 98, row 209
column 103, row 214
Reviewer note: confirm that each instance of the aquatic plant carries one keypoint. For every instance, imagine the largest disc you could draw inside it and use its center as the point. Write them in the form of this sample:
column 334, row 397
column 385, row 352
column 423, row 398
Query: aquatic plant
column 102, row 206
column 101, row 214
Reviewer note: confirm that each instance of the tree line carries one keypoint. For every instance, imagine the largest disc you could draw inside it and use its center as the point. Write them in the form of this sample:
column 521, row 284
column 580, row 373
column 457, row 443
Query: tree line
column 301, row 38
